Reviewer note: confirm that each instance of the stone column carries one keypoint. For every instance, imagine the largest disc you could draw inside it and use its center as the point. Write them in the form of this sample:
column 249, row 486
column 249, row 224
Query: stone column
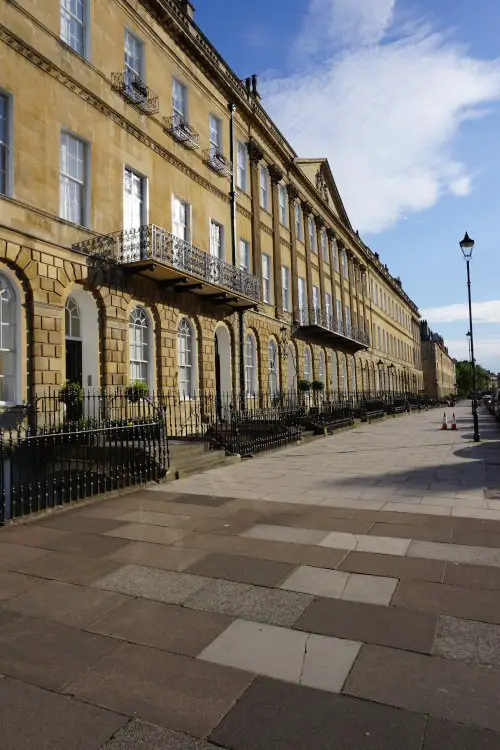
column 350, row 282
column 341, row 247
column 364, row 289
column 331, row 239
column 306, row 211
column 276, row 176
column 293, row 195
column 319, row 226
column 255, row 155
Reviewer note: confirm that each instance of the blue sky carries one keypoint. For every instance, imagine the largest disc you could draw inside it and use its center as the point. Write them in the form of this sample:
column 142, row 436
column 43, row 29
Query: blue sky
column 403, row 98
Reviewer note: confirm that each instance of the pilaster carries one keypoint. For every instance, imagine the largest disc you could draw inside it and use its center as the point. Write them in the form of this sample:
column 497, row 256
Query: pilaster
column 276, row 175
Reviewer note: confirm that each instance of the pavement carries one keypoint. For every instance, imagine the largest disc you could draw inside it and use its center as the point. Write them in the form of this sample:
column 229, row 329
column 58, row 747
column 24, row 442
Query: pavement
column 341, row 594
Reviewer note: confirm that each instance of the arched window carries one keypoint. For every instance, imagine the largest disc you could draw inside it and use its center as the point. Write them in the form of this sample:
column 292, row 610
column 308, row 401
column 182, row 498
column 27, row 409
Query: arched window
column 344, row 374
column 186, row 348
column 335, row 374
column 9, row 320
column 272, row 353
column 354, row 387
column 321, row 367
column 250, row 365
column 307, row 364
column 140, row 354
column 72, row 319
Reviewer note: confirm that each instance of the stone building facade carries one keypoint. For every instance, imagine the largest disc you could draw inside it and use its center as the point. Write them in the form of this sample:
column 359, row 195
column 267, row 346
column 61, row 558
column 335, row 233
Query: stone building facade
column 129, row 251
column 440, row 378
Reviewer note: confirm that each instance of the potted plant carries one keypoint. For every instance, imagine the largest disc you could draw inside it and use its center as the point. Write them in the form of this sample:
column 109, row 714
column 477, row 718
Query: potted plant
column 136, row 390
column 317, row 387
column 71, row 393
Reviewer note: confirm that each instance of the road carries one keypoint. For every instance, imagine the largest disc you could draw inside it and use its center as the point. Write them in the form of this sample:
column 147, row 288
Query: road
column 338, row 594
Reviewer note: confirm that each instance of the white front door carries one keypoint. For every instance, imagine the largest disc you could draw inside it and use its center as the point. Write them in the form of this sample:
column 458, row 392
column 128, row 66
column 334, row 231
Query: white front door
column 216, row 251
column 302, row 300
column 180, row 230
column 133, row 214
column 316, row 304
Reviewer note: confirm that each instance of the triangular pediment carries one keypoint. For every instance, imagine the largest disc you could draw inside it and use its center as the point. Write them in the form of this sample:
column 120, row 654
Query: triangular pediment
column 318, row 172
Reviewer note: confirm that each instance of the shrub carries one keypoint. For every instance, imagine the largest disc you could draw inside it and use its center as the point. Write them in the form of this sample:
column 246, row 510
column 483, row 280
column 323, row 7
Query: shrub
column 71, row 393
column 304, row 386
column 136, row 390
column 317, row 385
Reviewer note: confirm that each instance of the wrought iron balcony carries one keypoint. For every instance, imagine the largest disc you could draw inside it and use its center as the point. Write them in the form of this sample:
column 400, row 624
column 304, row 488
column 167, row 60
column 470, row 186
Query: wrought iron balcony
column 182, row 131
column 152, row 250
column 132, row 88
column 323, row 323
column 217, row 161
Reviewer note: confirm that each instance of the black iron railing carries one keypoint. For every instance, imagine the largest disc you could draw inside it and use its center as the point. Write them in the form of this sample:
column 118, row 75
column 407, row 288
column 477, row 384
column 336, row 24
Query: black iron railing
column 132, row 88
column 182, row 131
column 151, row 242
column 315, row 316
column 217, row 161
column 67, row 449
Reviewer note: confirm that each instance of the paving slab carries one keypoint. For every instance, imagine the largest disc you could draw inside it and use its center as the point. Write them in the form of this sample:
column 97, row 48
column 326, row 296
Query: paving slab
column 385, row 626
column 30, row 535
column 157, row 556
column 142, row 735
column 32, row 718
column 12, row 584
column 467, row 640
column 327, row 662
column 187, row 695
column 369, row 589
column 58, row 566
column 455, row 553
column 392, row 566
column 280, row 716
column 142, row 532
column 285, row 534
column 443, row 599
column 151, row 583
column 445, row 735
column 472, row 576
column 298, row 554
column 162, row 626
column 424, row 533
column 242, row 569
column 48, row 654
column 12, row 555
column 65, row 603
column 92, row 545
column 78, row 522
column 427, row 684
column 339, row 585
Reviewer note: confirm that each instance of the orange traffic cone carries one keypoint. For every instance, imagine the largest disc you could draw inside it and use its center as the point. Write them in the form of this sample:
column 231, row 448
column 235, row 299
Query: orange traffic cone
column 453, row 422
column 444, row 426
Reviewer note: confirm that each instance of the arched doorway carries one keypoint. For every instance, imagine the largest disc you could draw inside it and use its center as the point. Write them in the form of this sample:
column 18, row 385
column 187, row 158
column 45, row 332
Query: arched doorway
column 82, row 343
column 223, row 377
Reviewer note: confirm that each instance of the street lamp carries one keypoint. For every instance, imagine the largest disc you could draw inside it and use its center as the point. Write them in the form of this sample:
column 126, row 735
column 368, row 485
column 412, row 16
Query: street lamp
column 380, row 366
column 391, row 369
column 467, row 246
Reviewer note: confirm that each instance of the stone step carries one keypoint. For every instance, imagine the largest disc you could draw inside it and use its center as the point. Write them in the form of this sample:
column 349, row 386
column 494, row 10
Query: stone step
column 193, row 458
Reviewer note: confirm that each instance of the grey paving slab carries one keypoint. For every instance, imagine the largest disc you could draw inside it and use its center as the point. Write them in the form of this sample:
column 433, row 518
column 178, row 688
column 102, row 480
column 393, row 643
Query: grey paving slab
column 142, row 735
column 317, row 581
column 242, row 569
column 445, row 735
column 157, row 556
column 58, row 566
column 467, row 640
column 151, row 583
column 285, row 534
column 455, row 553
column 163, row 626
column 369, row 589
column 12, row 555
column 65, row 603
column 48, row 654
column 32, row 718
column 443, row 599
column 327, row 662
column 142, row 532
column 427, row 684
column 280, row 716
column 12, row 584
column 184, row 694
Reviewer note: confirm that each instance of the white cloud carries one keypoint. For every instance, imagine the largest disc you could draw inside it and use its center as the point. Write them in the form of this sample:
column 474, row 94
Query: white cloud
column 482, row 312
column 486, row 351
column 384, row 109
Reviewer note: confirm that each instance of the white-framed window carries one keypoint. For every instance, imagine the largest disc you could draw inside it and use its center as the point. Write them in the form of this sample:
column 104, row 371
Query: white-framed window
column 312, row 234
column 242, row 166
column 335, row 250
column 302, row 299
column 308, row 373
column 264, row 187
column 285, row 287
column 272, row 354
column 266, row 277
column 299, row 223
column 324, row 245
column 5, row 143
column 140, row 345
column 134, row 189
column 134, row 54
column 316, row 302
column 328, row 306
column 179, row 100
column 73, row 24
column 217, row 240
column 283, row 205
column 348, row 319
column 73, row 179
column 181, row 219
column 215, row 127
column 245, row 255
column 186, row 359
column 340, row 317
column 344, row 264
column 9, row 345
column 251, row 380
column 72, row 319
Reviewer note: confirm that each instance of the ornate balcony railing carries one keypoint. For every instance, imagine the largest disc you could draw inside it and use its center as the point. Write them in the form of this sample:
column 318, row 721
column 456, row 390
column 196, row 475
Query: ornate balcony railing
column 217, row 161
column 315, row 317
column 182, row 131
column 154, row 243
column 133, row 89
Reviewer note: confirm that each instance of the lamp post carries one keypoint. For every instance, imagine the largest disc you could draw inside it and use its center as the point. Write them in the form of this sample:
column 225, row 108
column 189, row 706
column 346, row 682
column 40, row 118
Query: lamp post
column 391, row 369
column 380, row 366
column 467, row 246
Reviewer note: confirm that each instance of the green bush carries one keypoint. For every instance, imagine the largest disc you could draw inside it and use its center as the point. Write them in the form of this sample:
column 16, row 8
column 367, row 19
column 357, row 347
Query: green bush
column 317, row 385
column 304, row 386
column 71, row 393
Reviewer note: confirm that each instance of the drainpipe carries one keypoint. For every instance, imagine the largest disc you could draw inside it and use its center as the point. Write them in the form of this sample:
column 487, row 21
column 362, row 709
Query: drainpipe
column 241, row 313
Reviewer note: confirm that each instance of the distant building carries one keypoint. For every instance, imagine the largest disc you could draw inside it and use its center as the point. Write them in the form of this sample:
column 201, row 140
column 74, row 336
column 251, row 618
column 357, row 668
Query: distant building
column 438, row 366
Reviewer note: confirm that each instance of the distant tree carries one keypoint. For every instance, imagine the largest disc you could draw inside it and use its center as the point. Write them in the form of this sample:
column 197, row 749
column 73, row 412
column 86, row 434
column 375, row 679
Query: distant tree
column 464, row 377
